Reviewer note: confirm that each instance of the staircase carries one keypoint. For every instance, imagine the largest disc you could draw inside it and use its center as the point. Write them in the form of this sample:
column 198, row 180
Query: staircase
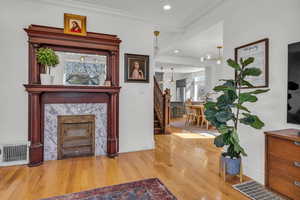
column 157, row 128
column 161, row 109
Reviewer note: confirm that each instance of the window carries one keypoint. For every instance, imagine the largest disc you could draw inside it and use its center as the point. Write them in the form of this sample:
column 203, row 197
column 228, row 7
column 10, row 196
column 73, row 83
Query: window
column 195, row 88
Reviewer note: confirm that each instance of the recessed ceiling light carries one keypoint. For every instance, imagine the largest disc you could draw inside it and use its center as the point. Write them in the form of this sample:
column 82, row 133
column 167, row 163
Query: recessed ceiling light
column 167, row 6
column 208, row 56
column 202, row 59
column 176, row 51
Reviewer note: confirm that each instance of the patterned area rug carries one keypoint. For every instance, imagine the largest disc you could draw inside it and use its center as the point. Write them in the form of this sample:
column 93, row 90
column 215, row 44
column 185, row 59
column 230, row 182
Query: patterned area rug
column 149, row 189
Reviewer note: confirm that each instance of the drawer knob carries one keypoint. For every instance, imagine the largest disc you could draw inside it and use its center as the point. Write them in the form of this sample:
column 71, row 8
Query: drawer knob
column 297, row 183
column 297, row 143
column 297, row 164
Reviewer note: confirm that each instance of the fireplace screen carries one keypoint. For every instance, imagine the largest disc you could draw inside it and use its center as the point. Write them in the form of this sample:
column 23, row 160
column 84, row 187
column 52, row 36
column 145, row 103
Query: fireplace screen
column 76, row 136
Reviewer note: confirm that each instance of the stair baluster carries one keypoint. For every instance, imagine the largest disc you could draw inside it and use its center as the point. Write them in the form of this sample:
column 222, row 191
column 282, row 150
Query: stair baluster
column 161, row 108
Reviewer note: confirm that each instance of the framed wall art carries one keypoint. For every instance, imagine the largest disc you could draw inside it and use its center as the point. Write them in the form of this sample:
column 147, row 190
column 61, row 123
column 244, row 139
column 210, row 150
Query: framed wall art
column 260, row 51
column 136, row 68
column 75, row 24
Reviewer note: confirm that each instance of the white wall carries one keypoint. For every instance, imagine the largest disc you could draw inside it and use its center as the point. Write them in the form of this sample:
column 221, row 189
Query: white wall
column 136, row 127
column 247, row 21
column 251, row 21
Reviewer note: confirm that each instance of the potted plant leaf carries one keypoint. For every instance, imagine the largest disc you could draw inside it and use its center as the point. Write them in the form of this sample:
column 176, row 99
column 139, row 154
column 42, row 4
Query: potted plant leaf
column 229, row 110
column 47, row 58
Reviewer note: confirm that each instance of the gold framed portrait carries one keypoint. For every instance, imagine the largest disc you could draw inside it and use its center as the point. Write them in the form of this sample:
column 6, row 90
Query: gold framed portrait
column 75, row 24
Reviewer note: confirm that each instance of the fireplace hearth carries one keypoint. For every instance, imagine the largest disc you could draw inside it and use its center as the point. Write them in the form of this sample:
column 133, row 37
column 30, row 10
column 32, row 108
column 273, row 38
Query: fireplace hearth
column 75, row 119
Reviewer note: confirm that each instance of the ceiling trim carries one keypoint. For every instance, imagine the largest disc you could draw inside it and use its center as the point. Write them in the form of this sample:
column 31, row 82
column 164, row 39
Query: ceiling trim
column 109, row 11
column 118, row 12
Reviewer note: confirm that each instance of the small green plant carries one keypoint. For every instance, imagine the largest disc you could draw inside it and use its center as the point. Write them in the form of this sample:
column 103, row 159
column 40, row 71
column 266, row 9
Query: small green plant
column 229, row 109
column 48, row 58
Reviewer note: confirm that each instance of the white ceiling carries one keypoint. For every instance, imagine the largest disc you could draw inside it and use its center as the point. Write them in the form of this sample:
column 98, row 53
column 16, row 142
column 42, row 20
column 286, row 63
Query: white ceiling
column 199, row 45
column 183, row 12
column 178, row 68
column 190, row 51
column 173, row 24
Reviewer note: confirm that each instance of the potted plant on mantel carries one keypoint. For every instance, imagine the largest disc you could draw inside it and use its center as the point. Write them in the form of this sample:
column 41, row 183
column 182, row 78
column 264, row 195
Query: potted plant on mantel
column 48, row 58
column 229, row 110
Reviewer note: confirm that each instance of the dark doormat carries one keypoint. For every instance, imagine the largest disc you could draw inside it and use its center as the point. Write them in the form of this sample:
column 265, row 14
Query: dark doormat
column 256, row 191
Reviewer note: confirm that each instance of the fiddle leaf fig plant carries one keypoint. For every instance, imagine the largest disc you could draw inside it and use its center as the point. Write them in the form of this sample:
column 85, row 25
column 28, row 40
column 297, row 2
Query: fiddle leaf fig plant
column 48, row 58
column 229, row 110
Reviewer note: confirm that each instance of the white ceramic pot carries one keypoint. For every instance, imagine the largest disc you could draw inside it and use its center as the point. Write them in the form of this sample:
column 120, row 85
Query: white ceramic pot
column 47, row 79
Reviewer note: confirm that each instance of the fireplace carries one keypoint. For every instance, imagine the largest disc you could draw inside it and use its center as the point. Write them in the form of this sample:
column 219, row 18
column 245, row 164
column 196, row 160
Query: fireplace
column 76, row 136
column 60, row 117
column 63, row 99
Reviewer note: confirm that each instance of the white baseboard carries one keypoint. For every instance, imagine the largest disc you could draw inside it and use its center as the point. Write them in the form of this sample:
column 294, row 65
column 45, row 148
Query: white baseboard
column 13, row 163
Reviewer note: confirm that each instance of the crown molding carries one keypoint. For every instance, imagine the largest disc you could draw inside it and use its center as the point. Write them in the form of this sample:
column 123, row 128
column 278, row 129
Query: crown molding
column 108, row 11
column 121, row 13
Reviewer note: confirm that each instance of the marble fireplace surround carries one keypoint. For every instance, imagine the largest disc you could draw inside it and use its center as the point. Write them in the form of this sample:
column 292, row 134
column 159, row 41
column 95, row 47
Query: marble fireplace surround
column 52, row 111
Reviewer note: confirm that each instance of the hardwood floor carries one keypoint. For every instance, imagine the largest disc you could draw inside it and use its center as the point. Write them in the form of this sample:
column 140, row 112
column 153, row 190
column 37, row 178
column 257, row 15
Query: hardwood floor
column 186, row 163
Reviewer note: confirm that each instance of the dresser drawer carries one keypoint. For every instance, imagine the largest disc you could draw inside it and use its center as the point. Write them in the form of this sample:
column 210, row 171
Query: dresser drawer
column 290, row 168
column 284, row 185
column 285, row 149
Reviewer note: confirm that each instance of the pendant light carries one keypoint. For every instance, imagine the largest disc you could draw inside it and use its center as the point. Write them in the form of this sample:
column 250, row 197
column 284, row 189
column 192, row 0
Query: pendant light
column 156, row 48
column 220, row 58
column 172, row 79
column 208, row 57
column 162, row 71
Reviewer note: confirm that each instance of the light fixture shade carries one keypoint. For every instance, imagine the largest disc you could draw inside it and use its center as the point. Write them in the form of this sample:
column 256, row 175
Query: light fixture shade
column 219, row 60
column 156, row 48
column 172, row 80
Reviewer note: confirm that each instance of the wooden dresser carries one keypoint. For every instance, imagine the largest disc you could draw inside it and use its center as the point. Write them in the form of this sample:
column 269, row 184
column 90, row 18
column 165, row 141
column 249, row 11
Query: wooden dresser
column 283, row 162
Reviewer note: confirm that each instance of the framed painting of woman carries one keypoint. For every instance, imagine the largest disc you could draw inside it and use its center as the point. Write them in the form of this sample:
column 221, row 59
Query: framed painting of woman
column 74, row 24
column 136, row 68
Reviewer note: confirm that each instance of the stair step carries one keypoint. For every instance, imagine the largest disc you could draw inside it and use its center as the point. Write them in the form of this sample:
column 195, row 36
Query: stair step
column 157, row 130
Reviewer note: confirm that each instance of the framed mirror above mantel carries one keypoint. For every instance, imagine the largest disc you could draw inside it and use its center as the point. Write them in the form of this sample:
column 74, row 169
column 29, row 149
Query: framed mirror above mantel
column 86, row 63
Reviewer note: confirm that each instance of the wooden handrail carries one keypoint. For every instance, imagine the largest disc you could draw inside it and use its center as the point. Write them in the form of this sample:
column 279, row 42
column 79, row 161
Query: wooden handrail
column 162, row 105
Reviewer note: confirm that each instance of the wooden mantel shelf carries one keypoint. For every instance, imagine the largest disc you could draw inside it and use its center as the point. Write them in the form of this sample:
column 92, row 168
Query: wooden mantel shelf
column 37, row 88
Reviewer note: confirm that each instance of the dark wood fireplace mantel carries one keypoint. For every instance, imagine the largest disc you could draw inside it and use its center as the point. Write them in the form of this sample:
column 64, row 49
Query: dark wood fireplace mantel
column 39, row 95
column 38, row 88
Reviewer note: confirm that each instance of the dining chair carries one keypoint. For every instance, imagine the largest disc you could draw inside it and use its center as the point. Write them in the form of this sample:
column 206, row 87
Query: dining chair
column 204, row 121
column 191, row 115
column 199, row 116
